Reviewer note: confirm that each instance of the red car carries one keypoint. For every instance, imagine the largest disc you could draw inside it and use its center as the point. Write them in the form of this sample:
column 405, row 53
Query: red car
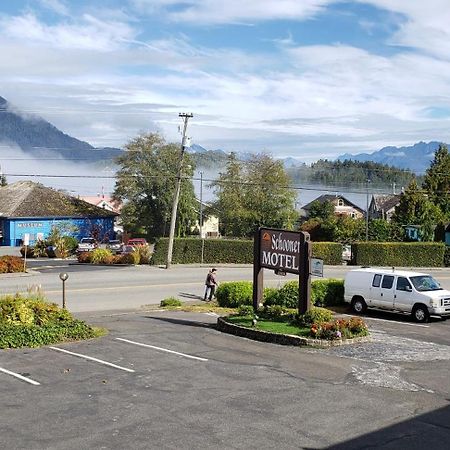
column 137, row 241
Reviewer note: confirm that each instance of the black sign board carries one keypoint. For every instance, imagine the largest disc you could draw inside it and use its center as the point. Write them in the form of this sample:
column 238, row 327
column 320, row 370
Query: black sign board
column 282, row 251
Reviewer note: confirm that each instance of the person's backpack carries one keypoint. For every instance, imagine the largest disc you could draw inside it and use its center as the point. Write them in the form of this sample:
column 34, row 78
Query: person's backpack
column 208, row 279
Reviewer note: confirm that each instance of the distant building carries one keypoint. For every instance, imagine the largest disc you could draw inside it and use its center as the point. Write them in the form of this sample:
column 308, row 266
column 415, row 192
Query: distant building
column 383, row 206
column 32, row 208
column 210, row 226
column 342, row 206
column 104, row 201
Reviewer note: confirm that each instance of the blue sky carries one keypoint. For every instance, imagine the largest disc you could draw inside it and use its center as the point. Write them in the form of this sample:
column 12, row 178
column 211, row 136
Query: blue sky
column 308, row 79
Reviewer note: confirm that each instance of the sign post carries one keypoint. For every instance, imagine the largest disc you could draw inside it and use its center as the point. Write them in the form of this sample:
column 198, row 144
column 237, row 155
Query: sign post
column 283, row 251
column 26, row 243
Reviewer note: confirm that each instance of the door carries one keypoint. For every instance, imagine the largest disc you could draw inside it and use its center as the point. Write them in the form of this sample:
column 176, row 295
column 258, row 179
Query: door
column 383, row 296
column 403, row 294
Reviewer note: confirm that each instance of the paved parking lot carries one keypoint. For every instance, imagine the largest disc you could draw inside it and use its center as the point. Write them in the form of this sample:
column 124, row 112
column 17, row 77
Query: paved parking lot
column 170, row 380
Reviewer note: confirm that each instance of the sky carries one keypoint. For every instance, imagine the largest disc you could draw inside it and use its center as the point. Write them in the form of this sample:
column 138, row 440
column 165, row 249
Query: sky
column 307, row 79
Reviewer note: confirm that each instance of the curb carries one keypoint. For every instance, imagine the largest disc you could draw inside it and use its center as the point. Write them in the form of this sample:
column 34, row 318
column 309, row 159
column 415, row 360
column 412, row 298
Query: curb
column 284, row 339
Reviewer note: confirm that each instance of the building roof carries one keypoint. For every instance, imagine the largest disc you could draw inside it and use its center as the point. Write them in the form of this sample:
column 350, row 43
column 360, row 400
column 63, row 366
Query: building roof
column 329, row 198
column 98, row 200
column 386, row 202
column 26, row 199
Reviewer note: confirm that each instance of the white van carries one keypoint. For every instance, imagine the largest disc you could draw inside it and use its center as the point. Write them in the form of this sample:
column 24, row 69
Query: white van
column 396, row 290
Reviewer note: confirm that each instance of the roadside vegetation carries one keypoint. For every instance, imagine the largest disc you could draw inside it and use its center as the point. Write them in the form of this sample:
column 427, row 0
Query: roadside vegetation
column 31, row 321
column 139, row 255
column 278, row 313
column 11, row 264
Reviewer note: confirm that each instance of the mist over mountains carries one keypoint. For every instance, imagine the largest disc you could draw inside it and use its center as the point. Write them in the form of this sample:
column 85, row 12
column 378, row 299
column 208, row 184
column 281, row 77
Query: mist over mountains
column 416, row 157
column 30, row 141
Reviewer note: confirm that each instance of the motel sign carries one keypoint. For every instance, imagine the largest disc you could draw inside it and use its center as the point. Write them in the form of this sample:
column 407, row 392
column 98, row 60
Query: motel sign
column 284, row 252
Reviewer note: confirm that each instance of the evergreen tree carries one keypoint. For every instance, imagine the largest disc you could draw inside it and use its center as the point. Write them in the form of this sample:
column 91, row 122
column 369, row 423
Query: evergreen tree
column 146, row 182
column 437, row 180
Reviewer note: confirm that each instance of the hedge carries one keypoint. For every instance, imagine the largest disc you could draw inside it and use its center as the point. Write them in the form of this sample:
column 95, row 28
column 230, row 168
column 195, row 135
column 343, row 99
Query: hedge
column 399, row 254
column 233, row 294
column 447, row 256
column 216, row 251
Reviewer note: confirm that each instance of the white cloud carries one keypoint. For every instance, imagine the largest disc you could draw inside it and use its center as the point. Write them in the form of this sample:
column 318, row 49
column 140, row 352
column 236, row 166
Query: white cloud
column 90, row 34
column 56, row 6
column 234, row 11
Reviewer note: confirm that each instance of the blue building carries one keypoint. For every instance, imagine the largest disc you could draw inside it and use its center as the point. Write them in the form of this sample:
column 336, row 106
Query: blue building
column 34, row 209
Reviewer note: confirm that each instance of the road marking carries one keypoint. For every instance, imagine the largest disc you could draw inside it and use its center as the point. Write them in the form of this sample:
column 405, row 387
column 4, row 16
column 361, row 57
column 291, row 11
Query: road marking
column 20, row 377
column 162, row 349
column 390, row 321
column 90, row 358
column 212, row 314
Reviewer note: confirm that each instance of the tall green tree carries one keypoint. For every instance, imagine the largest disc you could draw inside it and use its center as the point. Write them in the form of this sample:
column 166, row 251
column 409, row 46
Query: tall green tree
column 415, row 208
column 146, row 181
column 254, row 194
column 437, row 180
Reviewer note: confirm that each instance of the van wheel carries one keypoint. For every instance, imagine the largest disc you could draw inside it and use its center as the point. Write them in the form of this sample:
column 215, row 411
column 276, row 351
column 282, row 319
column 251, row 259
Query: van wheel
column 359, row 305
column 420, row 313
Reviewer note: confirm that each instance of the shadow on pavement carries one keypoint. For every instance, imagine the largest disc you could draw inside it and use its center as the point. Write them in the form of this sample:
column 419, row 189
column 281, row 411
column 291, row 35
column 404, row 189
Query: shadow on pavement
column 430, row 430
column 190, row 323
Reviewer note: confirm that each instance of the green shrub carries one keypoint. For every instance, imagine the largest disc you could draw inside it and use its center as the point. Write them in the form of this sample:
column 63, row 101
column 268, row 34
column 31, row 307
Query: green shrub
column 447, row 257
column 246, row 310
column 102, row 256
column 40, row 248
column 270, row 296
column 328, row 292
column 275, row 311
column 315, row 315
column 31, row 322
column 171, row 301
column 14, row 336
column 235, row 293
column 71, row 244
column 330, row 252
column 399, row 254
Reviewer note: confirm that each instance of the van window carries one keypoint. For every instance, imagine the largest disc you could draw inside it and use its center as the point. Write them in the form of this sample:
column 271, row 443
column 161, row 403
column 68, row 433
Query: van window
column 388, row 281
column 403, row 284
column 376, row 280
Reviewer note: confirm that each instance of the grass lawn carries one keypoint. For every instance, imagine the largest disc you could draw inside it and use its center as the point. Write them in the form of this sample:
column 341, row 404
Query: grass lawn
column 272, row 326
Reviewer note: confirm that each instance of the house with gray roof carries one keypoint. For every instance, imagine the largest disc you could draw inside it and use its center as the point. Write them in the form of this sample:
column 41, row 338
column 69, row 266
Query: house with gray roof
column 34, row 209
column 342, row 206
column 383, row 206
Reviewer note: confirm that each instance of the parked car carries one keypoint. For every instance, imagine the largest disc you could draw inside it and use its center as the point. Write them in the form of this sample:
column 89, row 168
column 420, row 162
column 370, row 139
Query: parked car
column 114, row 245
column 87, row 244
column 137, row 241
column 415, row 293
column 127, row 249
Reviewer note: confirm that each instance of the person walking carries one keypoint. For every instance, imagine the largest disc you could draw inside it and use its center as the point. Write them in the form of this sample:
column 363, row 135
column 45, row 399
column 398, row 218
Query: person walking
column 210, row 285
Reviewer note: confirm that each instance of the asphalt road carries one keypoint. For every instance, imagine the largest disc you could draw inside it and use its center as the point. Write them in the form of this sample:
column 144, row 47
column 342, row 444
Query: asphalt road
column 170, row 380
column 177, row 383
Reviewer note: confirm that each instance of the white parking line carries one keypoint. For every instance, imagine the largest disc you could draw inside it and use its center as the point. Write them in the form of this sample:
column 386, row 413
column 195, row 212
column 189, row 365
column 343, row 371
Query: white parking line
column 390, row 321
column 20, row 377
column 212, row 314
column 162, row 349
column 90, row 358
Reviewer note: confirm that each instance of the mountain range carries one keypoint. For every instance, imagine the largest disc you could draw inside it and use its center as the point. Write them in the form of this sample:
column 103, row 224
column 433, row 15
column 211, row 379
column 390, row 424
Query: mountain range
column 416, row 157
column 40, row 138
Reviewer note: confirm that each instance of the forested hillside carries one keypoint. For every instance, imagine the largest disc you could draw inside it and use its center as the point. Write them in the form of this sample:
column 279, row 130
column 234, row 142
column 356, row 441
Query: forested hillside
column 345, row 173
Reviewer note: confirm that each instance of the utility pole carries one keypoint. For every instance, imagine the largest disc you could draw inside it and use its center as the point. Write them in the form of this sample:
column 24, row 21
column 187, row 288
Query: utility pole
column 201, row 216
column 367, row 210
column 186, row 117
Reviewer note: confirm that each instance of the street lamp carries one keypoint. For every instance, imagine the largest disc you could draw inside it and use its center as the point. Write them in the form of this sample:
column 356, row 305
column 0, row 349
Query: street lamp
column 63, row 277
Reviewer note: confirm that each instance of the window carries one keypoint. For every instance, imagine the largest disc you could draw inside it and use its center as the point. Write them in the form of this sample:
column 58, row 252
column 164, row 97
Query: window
column 388, row 281
column 403, row 284
column 376, row 280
